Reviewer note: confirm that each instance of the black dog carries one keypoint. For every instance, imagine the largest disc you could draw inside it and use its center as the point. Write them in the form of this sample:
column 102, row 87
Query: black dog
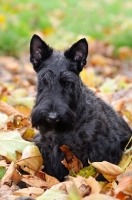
column 68, row 113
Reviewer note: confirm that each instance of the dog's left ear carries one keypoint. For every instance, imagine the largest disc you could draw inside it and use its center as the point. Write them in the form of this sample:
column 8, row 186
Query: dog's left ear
column 78, row 52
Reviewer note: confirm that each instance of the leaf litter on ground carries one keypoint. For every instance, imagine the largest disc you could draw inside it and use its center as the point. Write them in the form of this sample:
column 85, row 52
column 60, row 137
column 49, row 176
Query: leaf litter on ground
column 21, row 164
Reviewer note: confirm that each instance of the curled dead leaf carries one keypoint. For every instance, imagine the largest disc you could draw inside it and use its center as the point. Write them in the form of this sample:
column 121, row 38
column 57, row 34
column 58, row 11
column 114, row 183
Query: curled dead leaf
column 35, row 181
column 108, row 170
column 7, row 178
column 31, row 160
column 30, row 191
column 71, row 162
column 125, row 185
column 50, row 180
column 95, row 186
column 7, row 109
column 84, row 190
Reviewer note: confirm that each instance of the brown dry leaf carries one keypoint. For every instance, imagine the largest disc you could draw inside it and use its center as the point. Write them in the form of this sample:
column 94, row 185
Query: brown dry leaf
column 50, row 180
column 10, row 63
column 18, row 121
column 63, row 185
column 7, row 178
column 108, row 188
column 30, row 191
column 16, row 177
column 106, row 97
column 99, row 197
column 109, row 171
column 78, row 181
column 98, row 59
column 95, row 186
column 34, row 181
column 3, row 163
column 7, row 109
column 6, row 192
column 84, row 186
column 122, row 196
column 31, row 160
column 71, row 162
column 117, row 105
column 125, row 185
column 125, row 52
column 84, row 190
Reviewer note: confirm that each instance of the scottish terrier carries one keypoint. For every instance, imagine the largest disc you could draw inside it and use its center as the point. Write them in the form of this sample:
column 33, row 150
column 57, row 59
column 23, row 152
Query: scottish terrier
column 66, row 112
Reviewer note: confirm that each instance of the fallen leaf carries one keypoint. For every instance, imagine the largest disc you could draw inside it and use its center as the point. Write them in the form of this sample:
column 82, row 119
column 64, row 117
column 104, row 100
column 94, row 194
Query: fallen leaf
column 31, row 160
column 28, row 134
column 109, row 171
column 6, row 192
column 19, row 92
column 34, row 181
column 7, row 109
column 53, row 194
column 8, row 175
column 125, row 185
column 10, row 142
column 50, row 180
column 84, row 190
column 95, row 186
column 3, row 120
column 71, row 162
column 99, row 197
column 24, row 101
column 117, row 105
column 3, row 163
column 73, row 192
column 88, row 77
column 98, row 59
column 108, row 86
column 23, row 110
column 30, row 191
column 125, row 52
column 129, row 168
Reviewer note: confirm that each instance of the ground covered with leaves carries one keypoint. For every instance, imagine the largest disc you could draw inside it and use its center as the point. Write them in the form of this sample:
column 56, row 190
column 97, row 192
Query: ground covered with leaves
column 21, row 163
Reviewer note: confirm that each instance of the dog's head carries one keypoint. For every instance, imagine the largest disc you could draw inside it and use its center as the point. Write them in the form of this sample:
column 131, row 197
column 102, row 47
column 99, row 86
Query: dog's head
column 58, row 86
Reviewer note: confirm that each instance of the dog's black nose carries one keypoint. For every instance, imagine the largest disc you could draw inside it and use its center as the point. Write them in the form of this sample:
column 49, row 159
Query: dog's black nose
column 52, row 118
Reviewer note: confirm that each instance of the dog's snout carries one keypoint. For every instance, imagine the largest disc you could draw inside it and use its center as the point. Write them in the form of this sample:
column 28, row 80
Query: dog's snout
column 52, row 118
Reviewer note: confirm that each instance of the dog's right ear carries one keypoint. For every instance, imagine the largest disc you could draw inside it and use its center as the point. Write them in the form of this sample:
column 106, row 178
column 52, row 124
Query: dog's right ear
column 39, row 52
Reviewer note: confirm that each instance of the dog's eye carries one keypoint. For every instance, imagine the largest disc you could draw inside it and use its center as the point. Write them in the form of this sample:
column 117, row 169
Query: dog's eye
column 67, row 84
column 45, row 82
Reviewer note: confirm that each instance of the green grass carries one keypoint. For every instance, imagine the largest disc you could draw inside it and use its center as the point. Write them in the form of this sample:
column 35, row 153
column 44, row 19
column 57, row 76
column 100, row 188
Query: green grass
column 62, row 22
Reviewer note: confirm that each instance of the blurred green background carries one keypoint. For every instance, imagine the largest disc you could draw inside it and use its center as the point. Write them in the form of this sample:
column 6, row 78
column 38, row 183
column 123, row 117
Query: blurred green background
column 61, row 22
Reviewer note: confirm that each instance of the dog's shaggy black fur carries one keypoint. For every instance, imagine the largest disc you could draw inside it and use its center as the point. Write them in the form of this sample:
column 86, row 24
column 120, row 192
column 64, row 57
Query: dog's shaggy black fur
column 68, row 113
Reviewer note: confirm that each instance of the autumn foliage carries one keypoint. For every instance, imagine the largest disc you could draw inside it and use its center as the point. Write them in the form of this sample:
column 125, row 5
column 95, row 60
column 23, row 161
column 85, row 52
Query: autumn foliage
column 21, row 163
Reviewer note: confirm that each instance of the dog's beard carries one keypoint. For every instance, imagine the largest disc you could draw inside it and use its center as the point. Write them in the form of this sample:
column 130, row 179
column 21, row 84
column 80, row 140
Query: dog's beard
column 66, row 122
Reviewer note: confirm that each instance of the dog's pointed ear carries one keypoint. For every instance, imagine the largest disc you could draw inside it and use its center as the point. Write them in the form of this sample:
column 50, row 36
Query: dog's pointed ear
column 39, row 52
column 78, row 52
